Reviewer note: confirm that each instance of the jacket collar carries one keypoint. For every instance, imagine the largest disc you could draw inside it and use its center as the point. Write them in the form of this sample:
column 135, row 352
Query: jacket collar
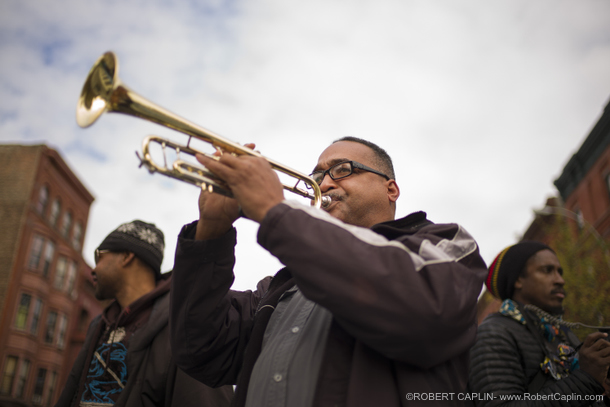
column 403, row 226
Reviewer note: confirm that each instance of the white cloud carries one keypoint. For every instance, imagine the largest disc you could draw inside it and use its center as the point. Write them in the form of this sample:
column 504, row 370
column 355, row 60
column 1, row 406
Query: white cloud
column 480, row 103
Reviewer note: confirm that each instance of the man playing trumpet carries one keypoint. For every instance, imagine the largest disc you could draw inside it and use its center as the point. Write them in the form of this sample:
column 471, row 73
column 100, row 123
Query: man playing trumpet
column 368, row 310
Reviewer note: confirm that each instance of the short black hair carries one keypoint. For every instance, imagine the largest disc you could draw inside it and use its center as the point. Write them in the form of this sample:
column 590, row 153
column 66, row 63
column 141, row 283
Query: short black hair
column 383, row 159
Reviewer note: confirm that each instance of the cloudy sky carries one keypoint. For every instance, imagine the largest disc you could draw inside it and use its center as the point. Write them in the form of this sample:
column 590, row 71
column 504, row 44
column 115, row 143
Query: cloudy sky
column 480, row 103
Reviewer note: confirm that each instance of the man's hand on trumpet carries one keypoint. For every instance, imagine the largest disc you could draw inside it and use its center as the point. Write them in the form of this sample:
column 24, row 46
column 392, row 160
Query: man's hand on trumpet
column 216, row 212
column 254, row 184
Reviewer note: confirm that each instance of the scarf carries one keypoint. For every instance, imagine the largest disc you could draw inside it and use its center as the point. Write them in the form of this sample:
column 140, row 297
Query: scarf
column 561, row 358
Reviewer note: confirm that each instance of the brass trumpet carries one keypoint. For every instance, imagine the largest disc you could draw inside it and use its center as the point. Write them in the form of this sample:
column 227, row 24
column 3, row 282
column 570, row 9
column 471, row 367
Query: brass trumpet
column 103, row 91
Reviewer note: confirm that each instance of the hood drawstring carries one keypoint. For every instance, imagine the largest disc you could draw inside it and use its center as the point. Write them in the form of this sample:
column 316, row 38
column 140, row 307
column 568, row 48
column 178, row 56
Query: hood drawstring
column 111, row 340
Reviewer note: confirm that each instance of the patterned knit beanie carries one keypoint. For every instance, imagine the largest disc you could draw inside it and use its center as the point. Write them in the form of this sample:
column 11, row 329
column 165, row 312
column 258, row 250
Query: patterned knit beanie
column 141, row 238
column 508, row 265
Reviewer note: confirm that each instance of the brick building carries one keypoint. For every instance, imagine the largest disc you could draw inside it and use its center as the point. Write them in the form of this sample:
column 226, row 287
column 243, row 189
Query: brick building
column 584, row 186
column 46, row 291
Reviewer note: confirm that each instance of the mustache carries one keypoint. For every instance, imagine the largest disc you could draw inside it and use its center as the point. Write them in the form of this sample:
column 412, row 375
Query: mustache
column 335, row 196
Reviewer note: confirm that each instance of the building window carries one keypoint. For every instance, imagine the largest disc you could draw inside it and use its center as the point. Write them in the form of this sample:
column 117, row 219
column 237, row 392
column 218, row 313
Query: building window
column 50, row 329
column 77, row 235
column 71, row 279
column 23, row 309
column 43, row 198
column 60, row 272
column 36, row 251
column 39, row 387
column 55, row 209
column 22, row 378
column 41, row 249
column 49, row 251
column 51, row 389
column 36, row 316
column 65, row 275
column 8, row 376
column 66, row 224
column 61, row 331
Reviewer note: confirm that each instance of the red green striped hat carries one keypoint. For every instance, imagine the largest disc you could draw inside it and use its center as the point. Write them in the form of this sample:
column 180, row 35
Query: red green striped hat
column 508, row 265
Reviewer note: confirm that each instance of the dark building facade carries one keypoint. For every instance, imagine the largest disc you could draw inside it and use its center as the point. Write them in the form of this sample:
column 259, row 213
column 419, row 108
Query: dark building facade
column 46, row 291
column 584, row 184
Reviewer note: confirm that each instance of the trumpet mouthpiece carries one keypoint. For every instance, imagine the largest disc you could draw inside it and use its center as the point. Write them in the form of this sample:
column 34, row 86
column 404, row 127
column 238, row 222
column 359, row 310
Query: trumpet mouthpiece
column 326, row 200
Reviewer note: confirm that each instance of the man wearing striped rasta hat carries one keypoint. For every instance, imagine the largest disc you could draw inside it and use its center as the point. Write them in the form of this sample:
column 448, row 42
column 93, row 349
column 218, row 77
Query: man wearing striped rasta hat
column 526, row 349
column 508, row 270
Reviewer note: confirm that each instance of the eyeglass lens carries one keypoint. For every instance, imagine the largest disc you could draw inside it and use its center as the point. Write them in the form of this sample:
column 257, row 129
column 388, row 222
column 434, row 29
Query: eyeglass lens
column 98, row 253
column 337, row 171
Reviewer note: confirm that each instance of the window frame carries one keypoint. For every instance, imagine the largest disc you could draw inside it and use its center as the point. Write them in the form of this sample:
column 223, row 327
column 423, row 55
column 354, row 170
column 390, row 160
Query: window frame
column 61, row 269
column 66, row 224
column 36, row 251
column 37, row 398
column 3, row 379
column 36, row 316
column 54, row 215
column 49, row 334
column 42, row 254
column 22, row 377
column 51, row 386
column 48, row 257
column 71, row 277
column 43, row 199
column 77, row 235
column 62, row 328
column 19, row 311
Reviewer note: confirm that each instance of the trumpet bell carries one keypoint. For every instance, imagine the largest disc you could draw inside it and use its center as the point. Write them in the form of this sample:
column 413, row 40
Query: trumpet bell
column 98, row 88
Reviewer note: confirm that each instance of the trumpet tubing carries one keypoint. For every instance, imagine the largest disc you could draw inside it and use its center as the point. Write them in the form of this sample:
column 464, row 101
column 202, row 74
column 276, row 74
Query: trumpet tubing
column 103, row 91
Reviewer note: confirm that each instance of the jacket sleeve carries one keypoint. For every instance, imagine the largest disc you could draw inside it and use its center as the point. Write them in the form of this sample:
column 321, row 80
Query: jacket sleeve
column 188, row 392
column 210, row 324
column 498, row 369
column 412, row 299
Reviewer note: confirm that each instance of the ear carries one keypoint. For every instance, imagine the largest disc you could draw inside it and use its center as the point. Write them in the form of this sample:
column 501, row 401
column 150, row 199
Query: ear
column 519, row 283
column 393, row 190
column 127, row 259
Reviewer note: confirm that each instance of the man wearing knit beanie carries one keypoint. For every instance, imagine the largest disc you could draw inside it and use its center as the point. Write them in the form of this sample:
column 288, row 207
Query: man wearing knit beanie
column 126, row 356
column 525, row 349
column 143, row 239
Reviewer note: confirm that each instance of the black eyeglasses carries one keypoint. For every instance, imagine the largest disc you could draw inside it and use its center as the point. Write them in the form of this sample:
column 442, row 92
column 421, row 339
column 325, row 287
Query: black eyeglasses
column 98, row 253
column 342, row 170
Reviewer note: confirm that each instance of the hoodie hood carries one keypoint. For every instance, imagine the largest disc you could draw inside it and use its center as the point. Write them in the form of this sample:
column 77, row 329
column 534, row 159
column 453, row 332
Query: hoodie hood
column 140, row 314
